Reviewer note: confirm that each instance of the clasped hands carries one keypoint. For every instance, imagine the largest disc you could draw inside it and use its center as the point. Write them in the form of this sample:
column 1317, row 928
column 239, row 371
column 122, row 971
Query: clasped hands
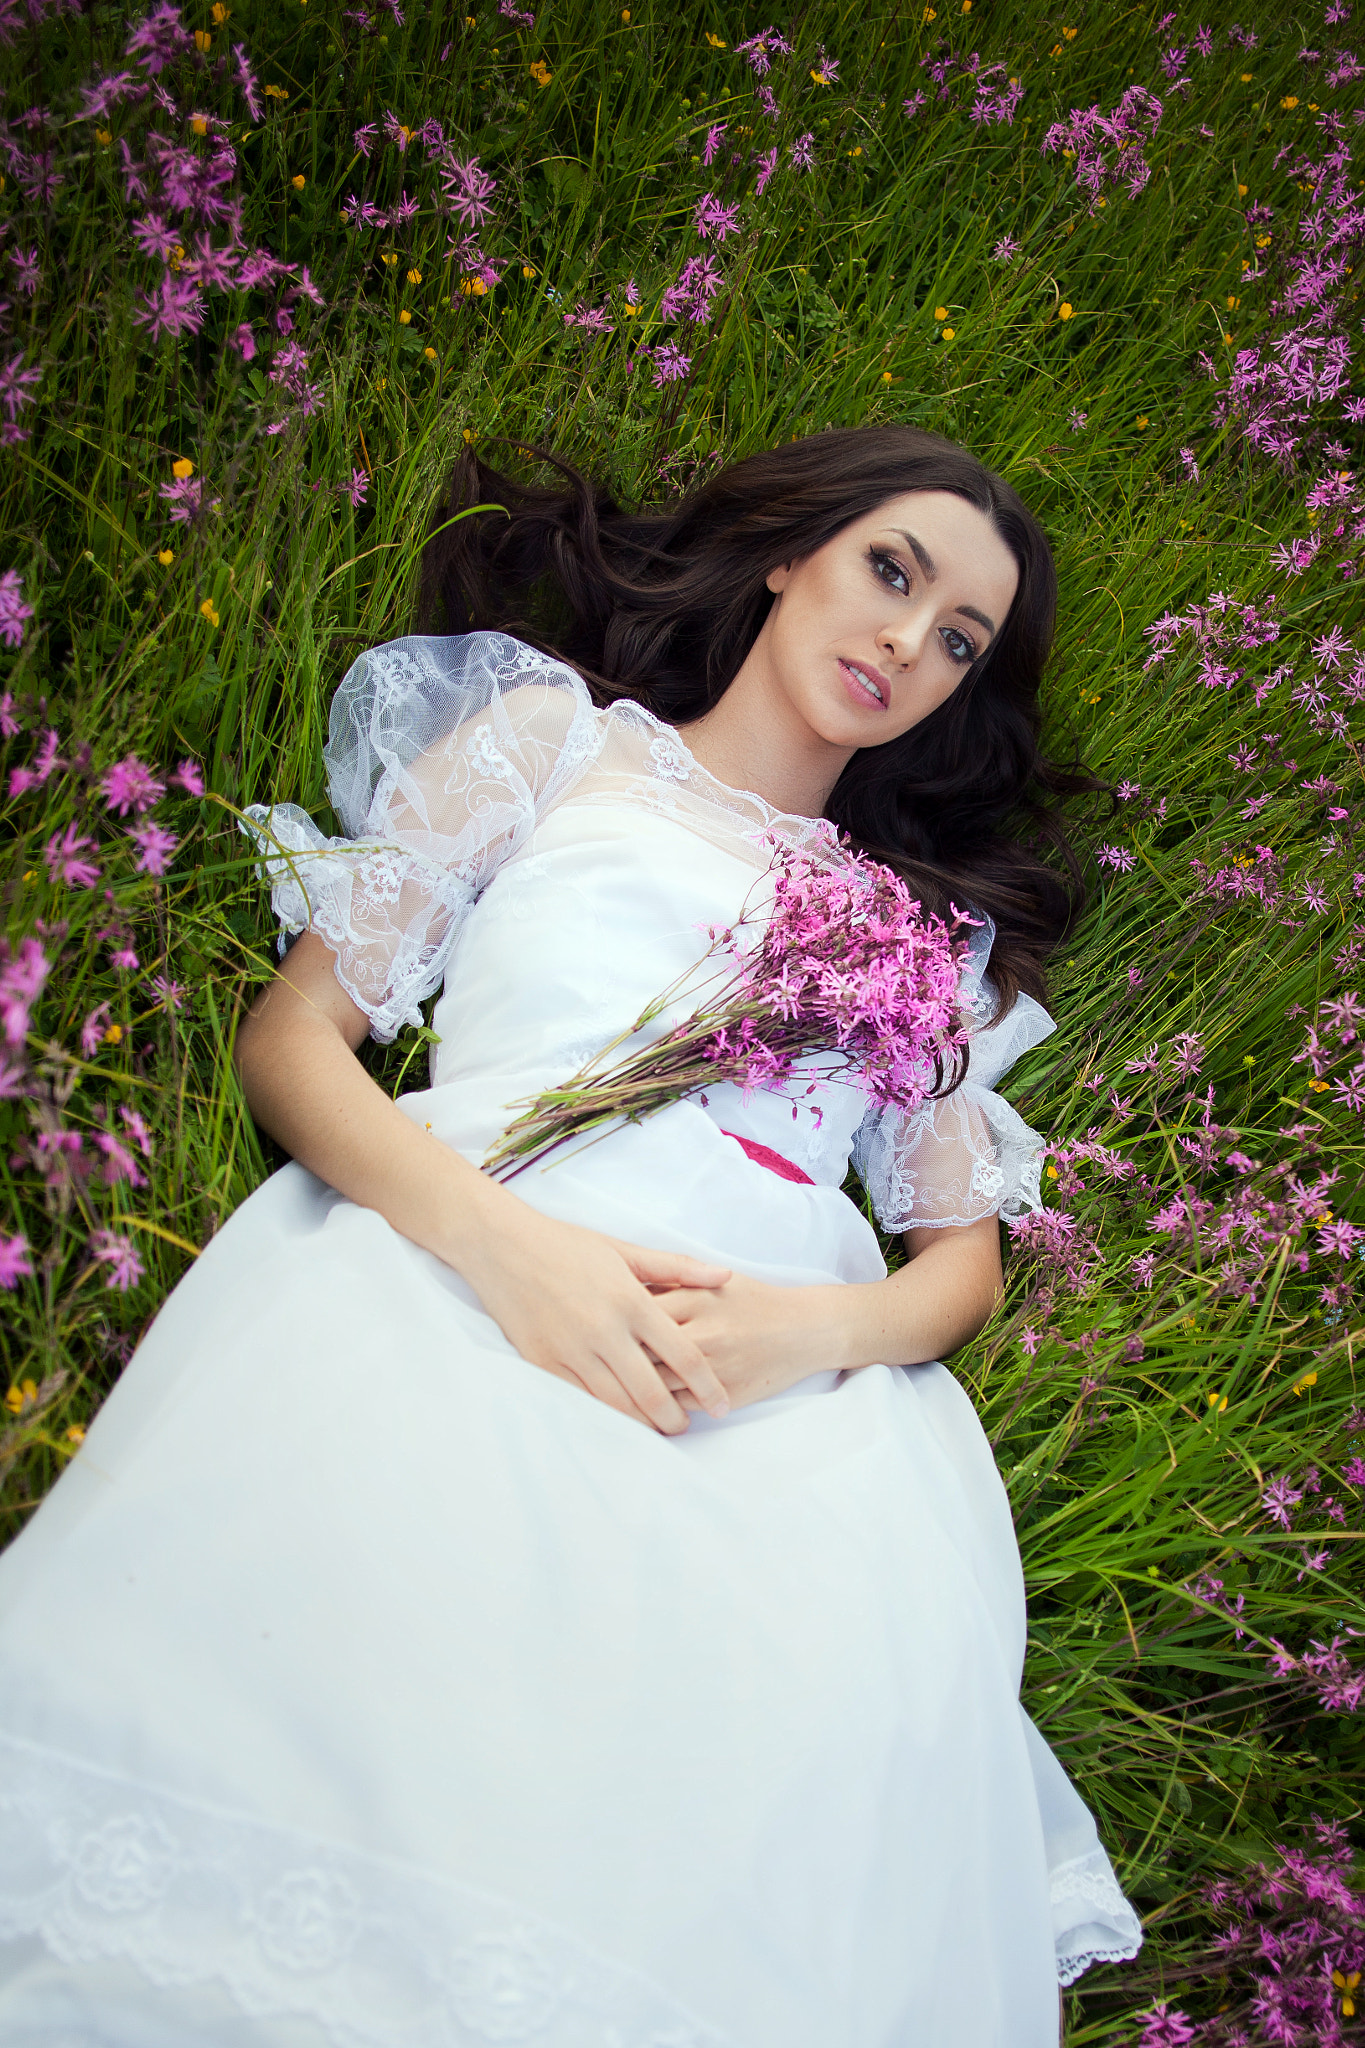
column 653, row 1334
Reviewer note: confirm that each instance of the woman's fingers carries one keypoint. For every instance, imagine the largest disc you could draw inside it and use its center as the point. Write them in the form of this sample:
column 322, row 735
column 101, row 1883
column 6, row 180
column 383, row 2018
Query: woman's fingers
column 670, row 1269
column 676, row 1350
column 641, row 1385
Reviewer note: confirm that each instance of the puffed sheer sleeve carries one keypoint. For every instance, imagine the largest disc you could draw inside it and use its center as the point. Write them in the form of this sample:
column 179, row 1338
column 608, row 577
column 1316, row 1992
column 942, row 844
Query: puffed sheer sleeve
column 441, row 756
column 970, row 1154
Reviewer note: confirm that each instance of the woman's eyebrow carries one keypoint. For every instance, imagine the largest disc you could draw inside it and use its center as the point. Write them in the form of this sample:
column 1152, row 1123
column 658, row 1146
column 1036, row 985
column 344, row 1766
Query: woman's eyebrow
column 926, row 562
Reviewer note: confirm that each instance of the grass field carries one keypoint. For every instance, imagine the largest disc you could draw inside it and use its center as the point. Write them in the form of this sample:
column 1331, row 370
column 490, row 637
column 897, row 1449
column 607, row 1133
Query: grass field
column 264, row 265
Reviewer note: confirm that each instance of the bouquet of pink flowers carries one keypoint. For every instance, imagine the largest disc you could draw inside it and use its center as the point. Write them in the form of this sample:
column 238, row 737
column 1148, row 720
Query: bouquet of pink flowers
column 848, row 964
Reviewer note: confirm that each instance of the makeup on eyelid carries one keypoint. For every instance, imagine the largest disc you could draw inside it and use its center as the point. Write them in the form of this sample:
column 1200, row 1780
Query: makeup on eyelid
column 882, row 556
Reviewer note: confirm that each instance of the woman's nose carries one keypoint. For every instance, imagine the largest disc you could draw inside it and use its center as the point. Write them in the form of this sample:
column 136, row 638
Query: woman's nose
column 903, row 642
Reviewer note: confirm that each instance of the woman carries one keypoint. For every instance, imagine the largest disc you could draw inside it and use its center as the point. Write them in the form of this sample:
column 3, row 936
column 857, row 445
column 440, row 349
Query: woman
column 580, row 1611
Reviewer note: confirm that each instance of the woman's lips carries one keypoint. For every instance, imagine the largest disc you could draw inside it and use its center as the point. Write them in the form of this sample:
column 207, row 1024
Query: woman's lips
column 859, row 691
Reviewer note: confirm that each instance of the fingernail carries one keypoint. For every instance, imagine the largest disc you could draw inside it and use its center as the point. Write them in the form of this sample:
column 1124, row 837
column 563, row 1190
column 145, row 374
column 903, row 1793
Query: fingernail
column 719, row 1411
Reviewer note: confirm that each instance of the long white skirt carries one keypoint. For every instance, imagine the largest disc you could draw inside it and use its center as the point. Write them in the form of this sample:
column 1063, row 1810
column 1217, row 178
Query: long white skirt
column 362, row 1686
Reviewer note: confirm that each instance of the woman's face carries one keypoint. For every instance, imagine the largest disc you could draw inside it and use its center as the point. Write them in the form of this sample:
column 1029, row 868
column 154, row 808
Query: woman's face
column 878, row 627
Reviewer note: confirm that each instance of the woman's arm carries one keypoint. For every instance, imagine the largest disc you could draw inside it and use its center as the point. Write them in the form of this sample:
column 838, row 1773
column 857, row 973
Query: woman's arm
column 762, row 1339
column 571, row 1301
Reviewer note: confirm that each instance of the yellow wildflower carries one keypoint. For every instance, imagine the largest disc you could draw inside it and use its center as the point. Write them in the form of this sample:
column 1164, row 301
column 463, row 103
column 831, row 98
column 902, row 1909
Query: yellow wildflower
column 1241, row 191
column 930, row 14
column 1216, row 1402
column 469, row 434
column 1233, row 303
column 472, row 287
column 631, row 312
column 1246, row 78
column 430, row 354
column 414, row 277
column 218, row 14
column 1056, row 50
column 1065, row 310
column 203, row 41
column 940, row 312
column 389, row 258
column 949, row 333
column 274, row 92
column 1289, row 102
column 198, row 125
column 207, row 611
column 1071, row 34
column 1309, row 1379
column 527, row 270
column 716, row 42
column 381, row 383
column 182, row 469
column 21, row 1395
column 966, row 6
column 103, row 135
column 76, row 1433
column 405, row 318
column 541, row 72
column 471, row 21
column 1228, row 340
column 625, row 14
column 113, row 1034
column 298, row 181
column 887, row 378
column 166, row 557
column 1142, row 421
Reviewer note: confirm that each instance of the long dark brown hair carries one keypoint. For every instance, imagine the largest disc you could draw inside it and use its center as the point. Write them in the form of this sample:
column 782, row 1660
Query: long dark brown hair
column 662, row 606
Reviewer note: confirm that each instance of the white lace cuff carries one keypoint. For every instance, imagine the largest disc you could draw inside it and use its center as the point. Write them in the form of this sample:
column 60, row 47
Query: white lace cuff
column 969, row 1154
column 390, row 914
column 1092, row 1922
column 442, row 755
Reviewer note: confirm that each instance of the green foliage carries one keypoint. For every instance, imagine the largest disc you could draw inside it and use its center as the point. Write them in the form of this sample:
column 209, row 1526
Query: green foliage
column 1135, row 1470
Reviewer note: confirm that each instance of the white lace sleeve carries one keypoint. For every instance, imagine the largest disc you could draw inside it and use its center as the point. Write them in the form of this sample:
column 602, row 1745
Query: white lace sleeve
column 441, row 756
column 969, row 1154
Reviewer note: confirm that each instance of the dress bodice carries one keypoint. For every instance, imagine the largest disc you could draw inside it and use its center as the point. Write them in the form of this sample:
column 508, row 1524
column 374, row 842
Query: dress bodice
column 556, row 867
column 605, row 906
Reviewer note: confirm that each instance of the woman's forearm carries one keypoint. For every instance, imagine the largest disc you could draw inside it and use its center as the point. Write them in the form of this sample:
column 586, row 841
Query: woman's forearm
column 304, row 1085
column 936, row 1302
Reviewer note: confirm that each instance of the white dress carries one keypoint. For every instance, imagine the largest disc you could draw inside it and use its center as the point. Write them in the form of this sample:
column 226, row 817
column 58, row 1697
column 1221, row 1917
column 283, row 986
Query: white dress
column 362, row 1686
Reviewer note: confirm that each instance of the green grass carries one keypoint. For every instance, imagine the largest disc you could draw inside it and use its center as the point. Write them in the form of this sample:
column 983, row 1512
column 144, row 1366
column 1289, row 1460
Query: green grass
column 1129, row 1478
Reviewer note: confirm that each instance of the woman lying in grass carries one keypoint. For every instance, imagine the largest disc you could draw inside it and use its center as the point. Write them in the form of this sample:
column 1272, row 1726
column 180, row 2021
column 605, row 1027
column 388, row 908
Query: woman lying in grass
column 582, row 1609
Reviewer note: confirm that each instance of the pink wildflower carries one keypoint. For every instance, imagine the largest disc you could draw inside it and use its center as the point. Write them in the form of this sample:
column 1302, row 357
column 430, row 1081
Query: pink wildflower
column 119, row 1163
column 22, row 974
column 712, row 218
column 14, row 1260
column 63, row 854
column 118, row 1253
column 92, row 1031
column 14, row 613
column 131, row 786
column 155, row 847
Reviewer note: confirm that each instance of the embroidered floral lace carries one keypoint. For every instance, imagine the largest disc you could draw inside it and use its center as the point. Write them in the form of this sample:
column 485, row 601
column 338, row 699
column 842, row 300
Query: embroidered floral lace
column 378, row 1954
column 444, row 755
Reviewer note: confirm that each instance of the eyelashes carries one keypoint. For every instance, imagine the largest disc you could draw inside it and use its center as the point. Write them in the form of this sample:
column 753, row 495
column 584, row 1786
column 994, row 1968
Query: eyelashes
column 964, row 653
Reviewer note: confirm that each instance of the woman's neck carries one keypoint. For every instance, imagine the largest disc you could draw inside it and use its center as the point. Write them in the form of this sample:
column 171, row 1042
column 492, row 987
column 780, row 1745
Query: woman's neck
column 756, row 739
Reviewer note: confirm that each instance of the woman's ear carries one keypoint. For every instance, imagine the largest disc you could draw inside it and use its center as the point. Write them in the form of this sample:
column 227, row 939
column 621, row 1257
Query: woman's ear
column 777, row 578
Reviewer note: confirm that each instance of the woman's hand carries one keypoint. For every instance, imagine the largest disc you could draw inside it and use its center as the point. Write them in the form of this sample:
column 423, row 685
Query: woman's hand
column 759, row 1339
column 580, row 1306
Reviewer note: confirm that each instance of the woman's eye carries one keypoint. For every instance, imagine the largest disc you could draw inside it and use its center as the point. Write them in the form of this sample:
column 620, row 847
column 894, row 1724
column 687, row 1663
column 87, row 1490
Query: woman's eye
column 888, row 568
column 960, row 648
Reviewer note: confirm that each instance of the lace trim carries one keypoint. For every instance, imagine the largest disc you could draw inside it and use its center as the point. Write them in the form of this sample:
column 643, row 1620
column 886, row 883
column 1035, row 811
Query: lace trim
column 952, row 1162
column 1093, row 1921
column 379, row 1954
